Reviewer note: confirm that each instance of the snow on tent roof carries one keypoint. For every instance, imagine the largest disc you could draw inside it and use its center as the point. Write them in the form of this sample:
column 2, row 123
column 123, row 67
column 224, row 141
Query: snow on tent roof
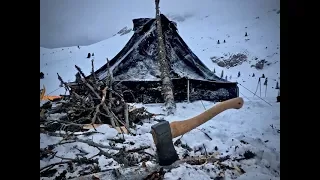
column 138, row 59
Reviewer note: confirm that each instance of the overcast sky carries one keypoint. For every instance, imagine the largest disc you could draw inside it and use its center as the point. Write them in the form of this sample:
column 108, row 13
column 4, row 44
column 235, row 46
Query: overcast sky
column 82, row 22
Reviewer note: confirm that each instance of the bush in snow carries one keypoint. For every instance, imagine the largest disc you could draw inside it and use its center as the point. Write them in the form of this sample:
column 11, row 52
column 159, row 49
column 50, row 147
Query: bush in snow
column 224, row 41
column 259, row 64
column 226, row 77
column 214, row 70
column 239, row 74
column 253, row 75
column 92, row 54
column 246, row 34
column 263, row 76
column 218, row 42
column 89, row 55
column 221, row 74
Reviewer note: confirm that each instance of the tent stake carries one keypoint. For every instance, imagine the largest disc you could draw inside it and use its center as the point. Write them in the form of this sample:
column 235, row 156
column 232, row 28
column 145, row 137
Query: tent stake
column 188, row 91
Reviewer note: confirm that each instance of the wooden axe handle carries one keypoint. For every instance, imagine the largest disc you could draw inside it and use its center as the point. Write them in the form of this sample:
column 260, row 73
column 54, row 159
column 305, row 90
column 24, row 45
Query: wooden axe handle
column 181, row 127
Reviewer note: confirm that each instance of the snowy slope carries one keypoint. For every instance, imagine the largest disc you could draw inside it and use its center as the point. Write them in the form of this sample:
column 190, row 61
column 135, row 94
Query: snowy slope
column 256, row 123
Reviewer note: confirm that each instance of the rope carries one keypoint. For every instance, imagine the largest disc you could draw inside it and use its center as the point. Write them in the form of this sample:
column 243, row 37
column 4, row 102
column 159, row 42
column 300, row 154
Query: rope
column 255, row 95
column 54, row 90
column 203, row 105
column 244, row 96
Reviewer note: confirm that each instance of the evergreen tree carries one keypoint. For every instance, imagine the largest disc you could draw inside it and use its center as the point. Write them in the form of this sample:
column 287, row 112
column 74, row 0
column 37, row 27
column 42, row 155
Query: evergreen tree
column 277, row 85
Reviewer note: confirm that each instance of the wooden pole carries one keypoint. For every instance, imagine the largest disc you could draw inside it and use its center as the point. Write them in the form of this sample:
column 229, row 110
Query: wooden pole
column 260, row 89
column 257, row 87
column 188, row 91
column 126, row 115
column 265, row 93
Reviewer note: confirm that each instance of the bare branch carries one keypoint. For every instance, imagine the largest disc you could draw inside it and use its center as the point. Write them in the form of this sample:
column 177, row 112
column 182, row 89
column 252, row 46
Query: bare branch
column 98, row 106
column 92, row 71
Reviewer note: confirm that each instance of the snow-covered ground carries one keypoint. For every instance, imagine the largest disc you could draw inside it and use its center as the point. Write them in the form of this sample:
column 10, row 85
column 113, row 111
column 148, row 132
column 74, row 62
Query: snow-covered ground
column 256, row 123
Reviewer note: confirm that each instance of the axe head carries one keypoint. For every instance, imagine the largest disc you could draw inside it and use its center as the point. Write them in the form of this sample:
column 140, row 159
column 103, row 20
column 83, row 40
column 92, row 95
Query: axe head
column 162, row 137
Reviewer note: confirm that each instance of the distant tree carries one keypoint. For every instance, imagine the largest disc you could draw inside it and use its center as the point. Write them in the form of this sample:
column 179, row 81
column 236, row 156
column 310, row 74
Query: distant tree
column 239, row 74
column 253, row 75
column 89, row 55
column 78, row 47
column 226, row 77
column 277, row 85
column 246, row 34
column 214, row 70
column 221, row 76
column 41, row 75
column 218, row 42
column 92, row 54
column 224, row 41
column 230, row 77
column 263, row 76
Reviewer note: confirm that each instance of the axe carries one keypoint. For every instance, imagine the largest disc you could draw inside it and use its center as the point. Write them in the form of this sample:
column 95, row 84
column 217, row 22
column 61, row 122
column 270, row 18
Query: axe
column 163, row 132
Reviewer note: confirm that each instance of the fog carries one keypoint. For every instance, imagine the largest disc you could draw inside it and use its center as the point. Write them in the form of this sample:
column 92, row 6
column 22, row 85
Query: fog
column 83, row 22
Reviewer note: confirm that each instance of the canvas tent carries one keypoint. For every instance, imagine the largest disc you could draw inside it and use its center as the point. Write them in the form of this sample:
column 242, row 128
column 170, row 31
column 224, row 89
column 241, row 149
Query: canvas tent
column 135, row 68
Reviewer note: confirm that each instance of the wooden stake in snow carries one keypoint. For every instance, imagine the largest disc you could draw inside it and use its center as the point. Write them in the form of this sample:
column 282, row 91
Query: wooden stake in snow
column 258, row 87
column 167, row 86
column 92, row 71
column 188, row 91
column 126, row 114
column 266, row 84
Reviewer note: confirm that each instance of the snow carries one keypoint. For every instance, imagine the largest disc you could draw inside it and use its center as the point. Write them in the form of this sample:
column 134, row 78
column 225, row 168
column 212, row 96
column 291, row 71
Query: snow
column 250, row 124
column 256, row 123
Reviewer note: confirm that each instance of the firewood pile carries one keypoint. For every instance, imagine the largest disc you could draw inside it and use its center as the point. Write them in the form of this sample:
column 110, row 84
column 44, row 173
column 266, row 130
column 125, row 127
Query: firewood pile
column 94, row 104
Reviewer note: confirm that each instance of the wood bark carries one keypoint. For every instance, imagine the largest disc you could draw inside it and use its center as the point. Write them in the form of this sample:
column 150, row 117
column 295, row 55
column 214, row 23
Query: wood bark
column 167, row 87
